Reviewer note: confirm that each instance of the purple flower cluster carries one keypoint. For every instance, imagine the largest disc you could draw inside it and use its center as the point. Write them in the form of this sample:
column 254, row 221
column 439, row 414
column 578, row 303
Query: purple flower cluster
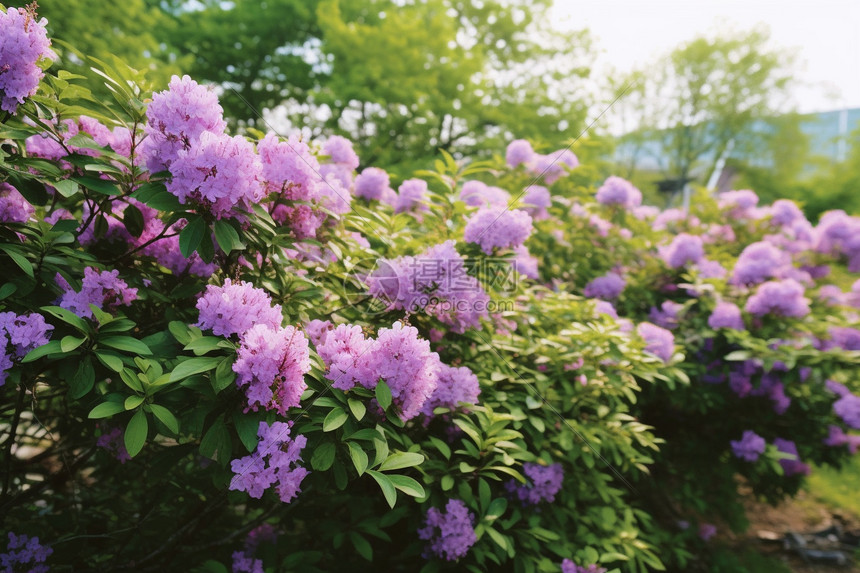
column 524, row 263
column 434, row 282
column 741, row 204
column 785, row 213
column 839, row 234
column 274, row 462
column 104, row 289
column 373, row 184
column 112, row 441
column 218, row 172
column 479, row 194
column 536, row 200
column 235, row 307
column 847, row 407
column 790, row 466
column 498, row 228
column 568, row 566
column 449, row 534
column 658, row 341
column 618, row 191
column 411, row 196
column 837, row 437
column 759, row 262
column 24, row 553
column 19, row 334
column 13, row 207
column 519, row 152
column 245, row 563
column 23, row 42
column 542, row 485
column 726, row 315
column 667, row 315
column 454, row 385
column 683, row 250
column 551, row 166
column 272, row 363
column 607, row 287
column 344, row 351
column 843, row 337
column 750, row 446
column 782, row 298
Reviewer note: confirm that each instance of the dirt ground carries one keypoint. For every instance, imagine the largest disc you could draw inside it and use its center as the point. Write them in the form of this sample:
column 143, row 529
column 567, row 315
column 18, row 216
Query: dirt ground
column 802, row 515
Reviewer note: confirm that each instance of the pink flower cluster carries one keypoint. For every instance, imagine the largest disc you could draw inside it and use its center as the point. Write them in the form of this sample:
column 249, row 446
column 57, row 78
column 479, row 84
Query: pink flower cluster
column 23, row 42
column 478, row 194
column 397, row 356
column 235, row 307
column 13, row 207
column 455, row 385
column 551, row 166
column 781, row 298
column 618, row 191
column 104, row 289
column 434, row 282
column 273, row 463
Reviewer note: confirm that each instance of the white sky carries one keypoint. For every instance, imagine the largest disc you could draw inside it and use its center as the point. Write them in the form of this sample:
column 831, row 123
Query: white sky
column 825, row 33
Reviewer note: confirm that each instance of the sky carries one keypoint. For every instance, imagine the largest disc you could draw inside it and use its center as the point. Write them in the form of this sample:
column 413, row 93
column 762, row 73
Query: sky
column 824, row 33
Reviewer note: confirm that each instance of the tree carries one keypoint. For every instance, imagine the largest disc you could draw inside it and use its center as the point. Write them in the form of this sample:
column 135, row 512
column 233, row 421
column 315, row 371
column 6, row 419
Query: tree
column 708, row 93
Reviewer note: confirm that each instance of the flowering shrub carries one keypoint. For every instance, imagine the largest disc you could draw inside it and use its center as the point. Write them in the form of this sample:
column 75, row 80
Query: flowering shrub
column 201, row 370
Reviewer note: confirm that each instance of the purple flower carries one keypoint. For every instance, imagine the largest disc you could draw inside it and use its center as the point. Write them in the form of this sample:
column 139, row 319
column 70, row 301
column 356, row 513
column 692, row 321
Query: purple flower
column 785, row 213
column 519, row 152
column 837, row 437
column 177, row 118
column 726, row 315
column 844, row 337
column 271, row 366
column 454, row 385
column 23, row 42
column 741, row 203
column 317, row 330
column 618, row 191
column 411, row 196
column 112, row 441
column 498, row 228
column 542, row 484
column 604, row 307
column 24, row 553
column 707, row 531
column 218, row 173
column 340, row 151
column 552, row 166
column 449, row 534
column 847, row 407
column 372, row 184
column 568, row 566
column 104, row 289
column 750, row 446
column 524, row 263
column 434, row 282
column 235, row 307
column 781, row 298
column 536, row 200
column 658, row 341
column 479, row 194
column 759, row 262
column 344, row 351
column 13, row 207
column 274, row 462
column 790, row 466
column 667, row 315
column 244, row 563
column 22, row 333
column 607, row 287
column 683, row 250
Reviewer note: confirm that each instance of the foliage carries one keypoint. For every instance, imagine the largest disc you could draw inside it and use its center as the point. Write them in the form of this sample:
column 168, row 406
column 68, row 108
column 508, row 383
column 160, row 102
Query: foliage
column 139, row 438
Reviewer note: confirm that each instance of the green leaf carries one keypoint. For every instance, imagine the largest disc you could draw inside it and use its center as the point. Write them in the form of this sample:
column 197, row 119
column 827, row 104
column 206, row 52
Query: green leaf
column 227, row 237
column 216, row 443
column 66, row 187
column 399, row 460
column 335, row 419
column 69, row 343
column 224, row 375
column 135, row 433
column 386, row 485
column 68, row 317
column 7, row 290
column 441, row 446
column 133, row 402
column 194, row 366
column 323, row 457
column 110, row 360
column 447, row 482
column 105, row 410
column 18, row 258
column 164, row 201
column 357, row 408
column 166, row 417
column 500, row 539
column 359, row 457
column 127, row 344
column 383, row 395
column 191, row 236
column 362, row 546
column 132, row 218
column 83, row 380
column 97, row 185
column 52, row 347
column 247, row 427
column 497, row 509
column 407, row 485
column 180, row 331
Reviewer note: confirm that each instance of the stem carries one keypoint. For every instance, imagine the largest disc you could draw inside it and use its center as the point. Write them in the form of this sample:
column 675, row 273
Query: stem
column 13, row 431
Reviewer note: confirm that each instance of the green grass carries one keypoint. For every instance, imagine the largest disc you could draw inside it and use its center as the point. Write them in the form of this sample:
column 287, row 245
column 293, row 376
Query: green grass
column 746, row 561
column 838, row 488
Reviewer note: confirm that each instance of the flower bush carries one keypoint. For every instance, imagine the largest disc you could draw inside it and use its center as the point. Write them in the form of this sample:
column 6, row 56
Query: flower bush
column 228, row 351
